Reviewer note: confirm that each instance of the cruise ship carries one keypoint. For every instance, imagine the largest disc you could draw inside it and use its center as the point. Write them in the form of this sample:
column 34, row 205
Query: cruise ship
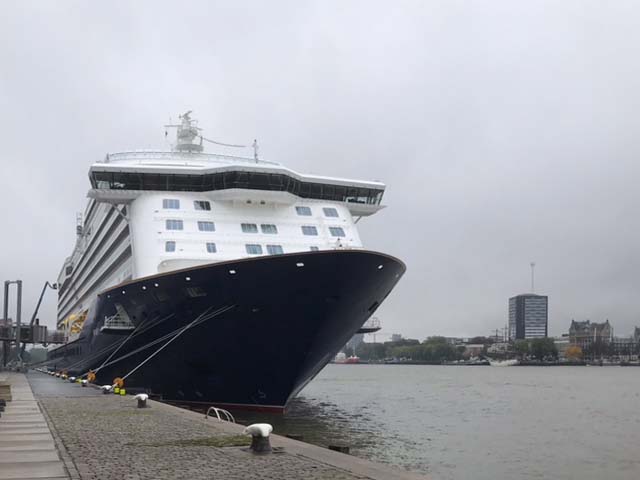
column 216, row 279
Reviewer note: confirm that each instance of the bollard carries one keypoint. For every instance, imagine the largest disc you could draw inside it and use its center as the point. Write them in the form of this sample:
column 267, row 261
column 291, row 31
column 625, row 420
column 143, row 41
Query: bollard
column 259, row 437
column 72, row 379
column 106, row 389
column 142, row 400
column 84, row 383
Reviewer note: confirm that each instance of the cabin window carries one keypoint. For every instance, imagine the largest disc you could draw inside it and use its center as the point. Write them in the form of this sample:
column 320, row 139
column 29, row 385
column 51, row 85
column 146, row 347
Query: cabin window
column 314, row 248
column 330, row 212
column 173, row 224
column 275, row 249
column 336, row 231
column 169, row 246
column 206, row 226
column 309, row 230
column 304, row 211
column 201, row 205
column 211, row 247
column 253, row 249
column 249, row 228
column 269, row 228
column 171, row 203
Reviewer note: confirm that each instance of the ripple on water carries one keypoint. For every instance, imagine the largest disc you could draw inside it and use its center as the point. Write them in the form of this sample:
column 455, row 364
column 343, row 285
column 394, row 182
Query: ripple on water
column 472, row 422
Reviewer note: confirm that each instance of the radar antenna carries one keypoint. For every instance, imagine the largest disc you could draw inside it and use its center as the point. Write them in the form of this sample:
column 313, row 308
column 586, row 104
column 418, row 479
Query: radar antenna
column 187, row 133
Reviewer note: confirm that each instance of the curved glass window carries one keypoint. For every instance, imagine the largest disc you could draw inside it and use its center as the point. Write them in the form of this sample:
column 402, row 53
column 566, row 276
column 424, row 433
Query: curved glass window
column 211, row 247
column 304, row 211
column 169, row 246
column 336, row 231
column 226, row 180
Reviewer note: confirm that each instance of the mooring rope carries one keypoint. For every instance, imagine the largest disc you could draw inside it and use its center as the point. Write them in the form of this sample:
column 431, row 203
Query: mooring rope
column 115, row 345
column 119, row 347
column 156, row 341
column 196, row 321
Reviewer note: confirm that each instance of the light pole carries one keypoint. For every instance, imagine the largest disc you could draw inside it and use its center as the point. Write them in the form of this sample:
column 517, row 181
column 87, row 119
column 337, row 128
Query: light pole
column 533, row 266
column 7, row 284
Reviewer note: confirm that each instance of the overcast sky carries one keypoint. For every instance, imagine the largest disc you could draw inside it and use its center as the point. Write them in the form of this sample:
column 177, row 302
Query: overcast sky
column 506, row 132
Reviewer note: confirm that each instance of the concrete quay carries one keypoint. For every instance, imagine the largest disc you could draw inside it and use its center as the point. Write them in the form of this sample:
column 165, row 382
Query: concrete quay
column 27, row 448
column 96, row 436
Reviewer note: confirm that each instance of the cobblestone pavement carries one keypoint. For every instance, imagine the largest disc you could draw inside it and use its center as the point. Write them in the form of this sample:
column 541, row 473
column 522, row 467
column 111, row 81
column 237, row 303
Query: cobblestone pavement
column 107, row 437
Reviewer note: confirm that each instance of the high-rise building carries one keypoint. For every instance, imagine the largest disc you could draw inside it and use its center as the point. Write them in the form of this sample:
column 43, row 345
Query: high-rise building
column 528, row 316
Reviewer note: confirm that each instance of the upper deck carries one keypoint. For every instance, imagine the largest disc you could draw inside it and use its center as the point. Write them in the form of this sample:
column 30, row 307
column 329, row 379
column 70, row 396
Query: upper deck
column 186, row 168
column 204, row 172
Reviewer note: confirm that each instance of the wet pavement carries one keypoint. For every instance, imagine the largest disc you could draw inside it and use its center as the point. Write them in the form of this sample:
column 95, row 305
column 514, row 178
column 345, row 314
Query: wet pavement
column 107, row 436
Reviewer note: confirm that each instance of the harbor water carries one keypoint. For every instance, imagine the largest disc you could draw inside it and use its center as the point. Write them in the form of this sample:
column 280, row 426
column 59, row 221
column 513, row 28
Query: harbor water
column 457, row 422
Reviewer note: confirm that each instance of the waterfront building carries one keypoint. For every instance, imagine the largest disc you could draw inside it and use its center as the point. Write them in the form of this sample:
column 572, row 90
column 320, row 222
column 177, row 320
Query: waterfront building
column 624, row 347
column 528, row 316
column 585, row 334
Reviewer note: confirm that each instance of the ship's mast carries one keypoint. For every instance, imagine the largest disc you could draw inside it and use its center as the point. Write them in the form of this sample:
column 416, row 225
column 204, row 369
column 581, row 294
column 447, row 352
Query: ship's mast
column 187, row 132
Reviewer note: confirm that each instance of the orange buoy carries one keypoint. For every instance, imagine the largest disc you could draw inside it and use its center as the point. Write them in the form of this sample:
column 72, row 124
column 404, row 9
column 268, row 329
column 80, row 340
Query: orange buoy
column 91, row 376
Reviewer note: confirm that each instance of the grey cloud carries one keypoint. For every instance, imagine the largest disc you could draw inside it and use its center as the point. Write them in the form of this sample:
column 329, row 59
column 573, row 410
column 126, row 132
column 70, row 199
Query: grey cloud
column 505, row 131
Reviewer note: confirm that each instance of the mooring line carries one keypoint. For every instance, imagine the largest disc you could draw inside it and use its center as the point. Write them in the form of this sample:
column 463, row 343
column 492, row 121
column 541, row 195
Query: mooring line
column 184, row 329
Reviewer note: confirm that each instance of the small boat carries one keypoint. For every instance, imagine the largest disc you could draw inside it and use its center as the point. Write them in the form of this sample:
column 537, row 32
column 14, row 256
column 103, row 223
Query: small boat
column 512, row 362
column 342, row 359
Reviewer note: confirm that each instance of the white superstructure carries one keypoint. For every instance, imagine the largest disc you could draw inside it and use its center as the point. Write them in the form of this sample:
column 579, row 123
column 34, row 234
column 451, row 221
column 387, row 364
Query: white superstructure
column 156, row 211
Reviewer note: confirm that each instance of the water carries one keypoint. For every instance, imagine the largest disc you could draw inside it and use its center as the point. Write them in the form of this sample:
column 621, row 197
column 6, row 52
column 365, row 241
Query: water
column 458, row 422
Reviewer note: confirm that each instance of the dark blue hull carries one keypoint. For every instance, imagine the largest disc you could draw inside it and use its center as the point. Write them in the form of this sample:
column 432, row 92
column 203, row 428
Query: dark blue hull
column 270, row 325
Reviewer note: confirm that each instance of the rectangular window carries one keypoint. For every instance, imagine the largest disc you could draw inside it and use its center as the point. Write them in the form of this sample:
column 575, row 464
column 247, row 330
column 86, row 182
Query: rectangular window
column 253, row 249
column 169, row 246
column 206, row 226
column 309, row 230
column 304, row 211
column 211, row 247
column 249, row 228
column 330, row 212
column 171, row 203
column 275, row 249
column 174, row 224
column 313, row 248
column 201, row 205
column 336, row 231
column 269, row 228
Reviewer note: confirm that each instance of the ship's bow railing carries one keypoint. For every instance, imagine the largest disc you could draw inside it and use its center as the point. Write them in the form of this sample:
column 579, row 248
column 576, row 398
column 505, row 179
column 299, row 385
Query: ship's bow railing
column 119, row 322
